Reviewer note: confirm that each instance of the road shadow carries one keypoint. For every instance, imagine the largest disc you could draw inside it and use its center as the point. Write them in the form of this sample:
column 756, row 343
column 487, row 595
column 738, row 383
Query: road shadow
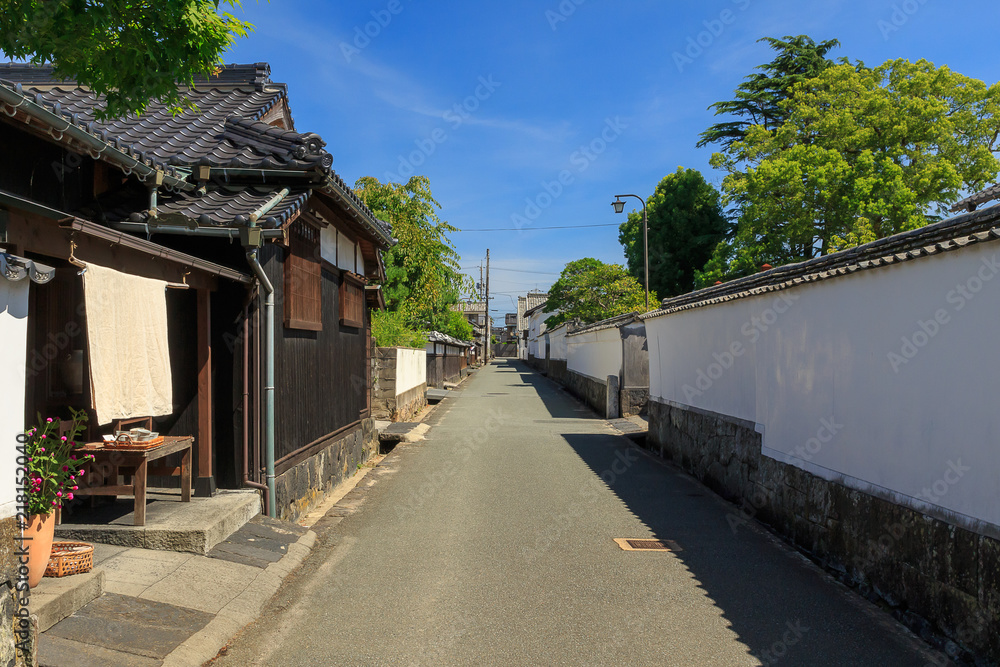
column 767, row 594
column 553, row 397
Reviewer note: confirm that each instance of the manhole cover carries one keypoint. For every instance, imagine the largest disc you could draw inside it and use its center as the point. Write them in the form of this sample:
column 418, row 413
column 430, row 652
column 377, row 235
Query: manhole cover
column 647, row 545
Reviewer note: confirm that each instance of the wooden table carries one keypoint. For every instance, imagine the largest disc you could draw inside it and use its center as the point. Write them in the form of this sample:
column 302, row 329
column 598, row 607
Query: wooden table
column 134, row 464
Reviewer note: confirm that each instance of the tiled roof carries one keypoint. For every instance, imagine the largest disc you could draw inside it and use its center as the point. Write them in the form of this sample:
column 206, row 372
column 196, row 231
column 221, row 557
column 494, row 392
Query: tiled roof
column 438, row 337
column 610, row 323
column 945, row 236
column 224, row 132
column 226, row 207
column 971, row 202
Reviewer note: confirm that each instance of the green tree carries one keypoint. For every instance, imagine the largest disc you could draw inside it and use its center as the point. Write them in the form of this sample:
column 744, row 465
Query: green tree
column 864, row 154
column 760, row 98
column 590, row 290
column 686, row 223
column 423, row 278
column 131, row 51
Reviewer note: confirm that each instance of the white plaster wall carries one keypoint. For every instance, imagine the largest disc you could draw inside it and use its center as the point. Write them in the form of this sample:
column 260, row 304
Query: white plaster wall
column 411, row 369
column 536, row 329
column 13, row 359
column 328, row 244
column 557, row 343
column 345, row 253
column 596, row 354
column 921, row 428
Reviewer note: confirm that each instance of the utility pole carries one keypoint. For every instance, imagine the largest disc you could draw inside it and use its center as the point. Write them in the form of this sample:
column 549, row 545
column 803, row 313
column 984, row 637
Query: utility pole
column 489, row 327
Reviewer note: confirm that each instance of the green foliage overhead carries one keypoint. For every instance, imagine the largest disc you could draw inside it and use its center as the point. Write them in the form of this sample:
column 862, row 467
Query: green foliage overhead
column 685, row 225
column 760, row 98
column 131, row 51
column 389, row 329
column 423, row 279
column 864, row 154
column 590, row 290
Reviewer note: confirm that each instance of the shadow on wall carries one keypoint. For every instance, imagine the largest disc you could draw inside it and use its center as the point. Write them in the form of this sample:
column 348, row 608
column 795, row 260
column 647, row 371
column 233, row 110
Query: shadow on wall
column 762, row 592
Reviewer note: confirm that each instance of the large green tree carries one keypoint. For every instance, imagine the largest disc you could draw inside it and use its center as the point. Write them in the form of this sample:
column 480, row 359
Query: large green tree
column 590, row 290
column 423, row 278
column 686, row 223
column 131, row 51
column 760, row 99
column 864, row 153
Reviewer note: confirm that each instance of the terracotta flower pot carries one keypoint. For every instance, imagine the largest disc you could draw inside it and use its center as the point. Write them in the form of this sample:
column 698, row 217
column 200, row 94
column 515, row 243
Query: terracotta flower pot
column 38, row 539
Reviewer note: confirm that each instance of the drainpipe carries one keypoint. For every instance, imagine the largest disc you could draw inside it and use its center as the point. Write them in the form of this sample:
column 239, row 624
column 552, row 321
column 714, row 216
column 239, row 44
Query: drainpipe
column 246, row 408
column 268, row 296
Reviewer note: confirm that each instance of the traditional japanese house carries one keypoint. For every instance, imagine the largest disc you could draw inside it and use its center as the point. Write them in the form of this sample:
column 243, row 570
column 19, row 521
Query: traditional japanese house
column 208, row 269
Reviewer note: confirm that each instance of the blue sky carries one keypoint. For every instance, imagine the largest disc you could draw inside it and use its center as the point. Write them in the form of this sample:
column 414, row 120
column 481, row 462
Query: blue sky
column 495, row 102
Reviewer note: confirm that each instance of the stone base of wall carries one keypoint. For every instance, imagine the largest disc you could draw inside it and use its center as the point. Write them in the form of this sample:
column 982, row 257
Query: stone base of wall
column 592, row 392
column 302, row 487
column 11, row 632
column 941, row 580
column 634, row 401
column 557, row 370
column 409, row 403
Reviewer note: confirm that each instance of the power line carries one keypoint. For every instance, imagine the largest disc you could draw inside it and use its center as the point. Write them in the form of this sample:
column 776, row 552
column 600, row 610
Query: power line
column 497, row 268
column 535, row 229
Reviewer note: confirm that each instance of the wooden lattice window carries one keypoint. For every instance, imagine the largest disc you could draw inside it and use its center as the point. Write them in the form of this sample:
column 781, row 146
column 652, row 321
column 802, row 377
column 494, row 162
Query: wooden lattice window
column 352, row 301
column 303, row 279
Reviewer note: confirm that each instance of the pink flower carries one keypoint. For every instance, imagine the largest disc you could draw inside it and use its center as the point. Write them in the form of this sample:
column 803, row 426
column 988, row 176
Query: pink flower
column 59, row 493
column 69, row 496
column 43, row 436
column 75, row 488
column 64, row 438
column 53, row 502
column 65, row 468
column 41, row 449
column 72, row 457
column 49, row 420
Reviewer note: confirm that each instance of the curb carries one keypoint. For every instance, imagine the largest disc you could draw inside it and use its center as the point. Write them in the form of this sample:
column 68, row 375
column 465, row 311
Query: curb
column 241, row 611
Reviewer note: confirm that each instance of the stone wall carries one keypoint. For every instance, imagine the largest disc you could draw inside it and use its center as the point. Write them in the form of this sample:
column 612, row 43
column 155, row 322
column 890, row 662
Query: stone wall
column 941, row 580
column 10, row 533
column 591, row 391
column 387, row 402
column 302, row 487
column 634, row 401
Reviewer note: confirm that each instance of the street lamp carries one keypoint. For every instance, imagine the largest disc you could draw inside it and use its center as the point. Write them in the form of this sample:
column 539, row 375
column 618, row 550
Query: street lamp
column 619, row 207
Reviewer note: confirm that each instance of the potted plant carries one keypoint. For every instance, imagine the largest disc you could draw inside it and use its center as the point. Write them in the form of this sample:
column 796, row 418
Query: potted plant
column 53, row 473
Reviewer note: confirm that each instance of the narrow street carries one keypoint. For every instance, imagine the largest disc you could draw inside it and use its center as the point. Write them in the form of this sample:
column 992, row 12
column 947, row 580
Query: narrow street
column 492, row 542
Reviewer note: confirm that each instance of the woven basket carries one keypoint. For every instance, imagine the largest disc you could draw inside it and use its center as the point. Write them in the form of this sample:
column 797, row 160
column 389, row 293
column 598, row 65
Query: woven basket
column 70, row 558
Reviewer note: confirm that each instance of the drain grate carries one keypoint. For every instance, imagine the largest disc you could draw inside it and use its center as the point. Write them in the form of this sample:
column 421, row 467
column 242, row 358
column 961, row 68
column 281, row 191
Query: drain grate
column 647, row 545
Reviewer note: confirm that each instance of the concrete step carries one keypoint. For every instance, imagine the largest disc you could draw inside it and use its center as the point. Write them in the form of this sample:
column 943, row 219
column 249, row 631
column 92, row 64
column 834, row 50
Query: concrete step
column 171, row 525
column 56, row 598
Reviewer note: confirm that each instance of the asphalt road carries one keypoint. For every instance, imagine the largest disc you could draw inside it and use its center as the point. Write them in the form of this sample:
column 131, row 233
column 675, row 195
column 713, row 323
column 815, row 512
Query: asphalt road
column 492, row 543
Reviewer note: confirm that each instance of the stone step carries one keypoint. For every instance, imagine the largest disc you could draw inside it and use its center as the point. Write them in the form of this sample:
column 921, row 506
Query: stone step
column 171, row 525
column 56, row 598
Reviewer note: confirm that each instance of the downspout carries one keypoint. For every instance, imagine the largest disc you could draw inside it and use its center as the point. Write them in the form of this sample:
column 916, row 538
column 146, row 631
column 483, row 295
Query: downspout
column 268, row 297
column 246, row 408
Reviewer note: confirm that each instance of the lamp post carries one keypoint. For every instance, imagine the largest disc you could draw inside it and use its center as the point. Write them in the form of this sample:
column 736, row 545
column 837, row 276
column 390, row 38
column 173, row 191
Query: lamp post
column 619, row 206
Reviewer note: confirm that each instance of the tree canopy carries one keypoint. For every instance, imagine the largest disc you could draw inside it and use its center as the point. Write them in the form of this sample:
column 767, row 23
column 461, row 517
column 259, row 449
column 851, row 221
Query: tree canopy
column 864, row 153
column 130, row 51
column 760, row 98
column 423, row 278
column 685, row 224
column 590, row 290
